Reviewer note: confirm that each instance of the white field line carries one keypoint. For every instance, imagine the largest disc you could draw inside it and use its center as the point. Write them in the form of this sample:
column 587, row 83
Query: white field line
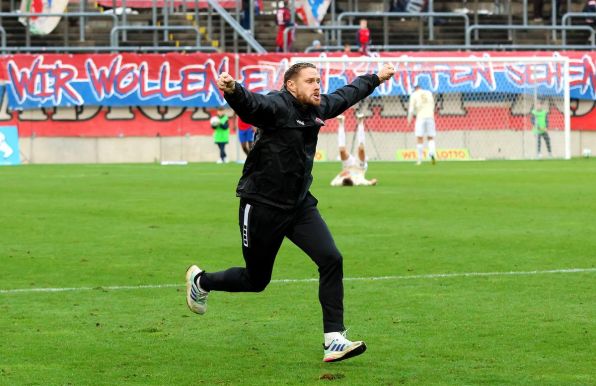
column 373, row 278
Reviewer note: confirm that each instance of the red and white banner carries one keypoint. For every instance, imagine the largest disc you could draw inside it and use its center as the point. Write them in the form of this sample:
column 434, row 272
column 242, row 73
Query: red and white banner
column 312, row 12
column 42, row 25
column 173, row 94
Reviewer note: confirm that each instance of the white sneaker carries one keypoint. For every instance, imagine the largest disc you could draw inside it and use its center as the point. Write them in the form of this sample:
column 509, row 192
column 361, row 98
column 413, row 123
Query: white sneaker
column 341, row 348
column 196, row 298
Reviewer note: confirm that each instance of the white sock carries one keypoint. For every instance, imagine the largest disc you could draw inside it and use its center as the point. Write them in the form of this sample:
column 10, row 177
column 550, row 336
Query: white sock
column 329, row 336
column 341, row 135
column 419, row 147
column 360, row 136
column 432, row 147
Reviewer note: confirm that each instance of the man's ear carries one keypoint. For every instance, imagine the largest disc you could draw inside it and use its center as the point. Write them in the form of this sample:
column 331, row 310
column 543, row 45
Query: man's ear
column 291, row 85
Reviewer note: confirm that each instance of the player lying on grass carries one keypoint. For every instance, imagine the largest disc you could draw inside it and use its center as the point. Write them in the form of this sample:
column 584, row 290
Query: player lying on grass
column 353, row 170
column 275, row 201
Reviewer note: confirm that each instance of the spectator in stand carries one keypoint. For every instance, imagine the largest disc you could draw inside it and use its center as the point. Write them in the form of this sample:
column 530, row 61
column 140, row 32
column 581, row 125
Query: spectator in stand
column 590, row 8
column 398, row 6
column 347, row 48
column 283, row 20
column 315, row 46
column 363, row 37
column 538, row 7
column 245, row 20
column 412, row 6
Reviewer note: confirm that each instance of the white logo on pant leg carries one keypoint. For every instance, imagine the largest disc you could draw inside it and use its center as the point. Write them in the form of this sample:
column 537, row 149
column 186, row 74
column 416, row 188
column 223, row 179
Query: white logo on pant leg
column 245, row 225
column 4, row 148
column 245, row 236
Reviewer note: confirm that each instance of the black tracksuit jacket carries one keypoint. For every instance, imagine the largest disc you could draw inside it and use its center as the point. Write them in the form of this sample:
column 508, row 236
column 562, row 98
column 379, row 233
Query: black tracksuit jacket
column 277, row 171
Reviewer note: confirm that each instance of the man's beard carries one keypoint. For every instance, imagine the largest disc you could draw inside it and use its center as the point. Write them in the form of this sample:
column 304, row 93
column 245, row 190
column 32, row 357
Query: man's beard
column 308, row 100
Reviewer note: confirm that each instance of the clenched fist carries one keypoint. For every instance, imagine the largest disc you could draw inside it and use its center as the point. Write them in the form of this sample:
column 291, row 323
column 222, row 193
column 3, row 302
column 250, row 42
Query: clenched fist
column 226, row 83
column 386, row 72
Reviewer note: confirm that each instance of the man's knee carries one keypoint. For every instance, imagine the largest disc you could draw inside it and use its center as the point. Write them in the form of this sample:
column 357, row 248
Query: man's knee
column 332, row 258
column 258, row 284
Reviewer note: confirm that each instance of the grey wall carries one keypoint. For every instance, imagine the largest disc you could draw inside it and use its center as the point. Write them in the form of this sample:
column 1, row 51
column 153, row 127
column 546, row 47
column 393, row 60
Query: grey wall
column 380, row 146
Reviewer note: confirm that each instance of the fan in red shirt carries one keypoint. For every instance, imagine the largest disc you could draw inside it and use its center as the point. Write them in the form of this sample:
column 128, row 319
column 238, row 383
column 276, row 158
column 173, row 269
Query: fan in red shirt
column 283, row 19
column 363, row 37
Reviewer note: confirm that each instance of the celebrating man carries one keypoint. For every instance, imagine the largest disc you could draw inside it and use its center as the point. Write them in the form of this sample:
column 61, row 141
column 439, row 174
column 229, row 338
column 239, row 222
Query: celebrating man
column 275, row 201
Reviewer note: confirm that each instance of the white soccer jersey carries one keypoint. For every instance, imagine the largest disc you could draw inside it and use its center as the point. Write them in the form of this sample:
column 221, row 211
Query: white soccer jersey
column 353, row 163
column 354, row 170
column 422, row 104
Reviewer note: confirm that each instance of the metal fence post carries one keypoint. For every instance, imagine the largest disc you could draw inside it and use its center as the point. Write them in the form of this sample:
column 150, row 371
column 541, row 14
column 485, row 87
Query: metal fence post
column 431, row 29
column 525, row 12
column 154, row 20
column 124, row 34
column 166, row 20
column 252, row 17
column 82, row 4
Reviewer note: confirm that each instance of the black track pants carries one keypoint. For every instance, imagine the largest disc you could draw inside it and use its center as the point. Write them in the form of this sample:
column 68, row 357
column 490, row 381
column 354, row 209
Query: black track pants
column 263, row 229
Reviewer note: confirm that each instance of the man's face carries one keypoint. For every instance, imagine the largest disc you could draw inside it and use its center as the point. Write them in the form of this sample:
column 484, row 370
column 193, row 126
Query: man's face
column 306, row 87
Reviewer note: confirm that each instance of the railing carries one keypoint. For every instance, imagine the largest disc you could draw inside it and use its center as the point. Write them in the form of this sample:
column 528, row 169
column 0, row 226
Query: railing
column 451, row 47
column 321, row 27
column 214, row 5
column 391, row 47
column 114, row 40
column 574, row 15
column 237, row 27
column 401, row 15
column 472, row 28
column 111, row 49
column 232, row 21
column 3, row 38
column 29, row 15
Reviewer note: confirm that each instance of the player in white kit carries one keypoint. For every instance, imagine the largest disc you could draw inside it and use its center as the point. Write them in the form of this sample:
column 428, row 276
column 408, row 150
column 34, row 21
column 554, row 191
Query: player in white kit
column 422, row 105
column 353, row 169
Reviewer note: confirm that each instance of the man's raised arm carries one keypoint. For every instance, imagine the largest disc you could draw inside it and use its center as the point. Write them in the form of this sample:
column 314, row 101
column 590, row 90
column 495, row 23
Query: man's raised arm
column 344, row 97
column 255, row 109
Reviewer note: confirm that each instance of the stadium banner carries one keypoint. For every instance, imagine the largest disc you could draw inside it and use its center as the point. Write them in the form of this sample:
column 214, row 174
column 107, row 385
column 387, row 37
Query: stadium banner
column 266, row 72
column 42, row 25
column 320, row 155
column 312, row 12
column 114, row 80
column 9, row 146
column 189, row 80
column 172, row 94
column 442, row 154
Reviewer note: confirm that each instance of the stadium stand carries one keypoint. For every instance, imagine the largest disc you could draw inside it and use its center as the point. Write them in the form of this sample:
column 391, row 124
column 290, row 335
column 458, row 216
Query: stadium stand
column 387, row 32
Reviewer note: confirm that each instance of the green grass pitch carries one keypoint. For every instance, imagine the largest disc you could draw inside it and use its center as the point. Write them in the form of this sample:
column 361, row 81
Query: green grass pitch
column 90, row 228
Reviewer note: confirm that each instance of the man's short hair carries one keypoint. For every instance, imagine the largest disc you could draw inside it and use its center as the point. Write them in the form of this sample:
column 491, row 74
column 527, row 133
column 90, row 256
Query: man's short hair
column 295, row 69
